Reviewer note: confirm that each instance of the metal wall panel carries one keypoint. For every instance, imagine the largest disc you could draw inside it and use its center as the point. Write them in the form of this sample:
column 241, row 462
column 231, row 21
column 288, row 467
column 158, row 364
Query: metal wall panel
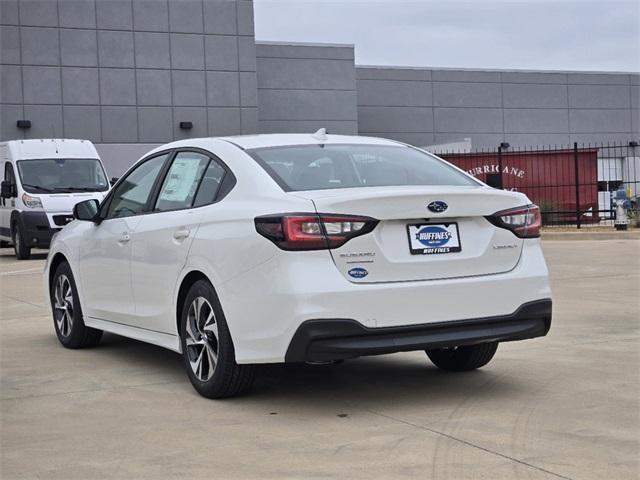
column 491, row 107
column 128, row 70
column 305, row 87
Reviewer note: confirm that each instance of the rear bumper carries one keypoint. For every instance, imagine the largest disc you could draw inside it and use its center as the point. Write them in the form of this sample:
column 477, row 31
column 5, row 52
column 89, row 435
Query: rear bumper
column 267, row 305
column 334, row 339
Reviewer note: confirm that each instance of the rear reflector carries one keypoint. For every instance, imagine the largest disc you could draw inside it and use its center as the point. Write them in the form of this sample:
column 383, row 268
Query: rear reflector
column 312, row 231
column 524, row 222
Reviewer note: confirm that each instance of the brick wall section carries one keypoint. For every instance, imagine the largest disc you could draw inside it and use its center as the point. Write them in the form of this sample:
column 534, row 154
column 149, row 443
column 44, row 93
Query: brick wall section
column 127, row 71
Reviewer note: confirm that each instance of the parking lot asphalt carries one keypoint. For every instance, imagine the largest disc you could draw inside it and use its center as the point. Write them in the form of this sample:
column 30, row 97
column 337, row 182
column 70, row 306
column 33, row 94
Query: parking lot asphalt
column 563, row 406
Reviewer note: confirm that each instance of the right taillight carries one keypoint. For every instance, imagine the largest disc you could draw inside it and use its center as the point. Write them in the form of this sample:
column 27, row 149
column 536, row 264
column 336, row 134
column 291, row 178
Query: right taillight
column 312, row 231
column 524, row 222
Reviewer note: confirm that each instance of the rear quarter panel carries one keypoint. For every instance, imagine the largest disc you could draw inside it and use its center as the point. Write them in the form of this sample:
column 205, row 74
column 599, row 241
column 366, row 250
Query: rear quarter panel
column 227, row 244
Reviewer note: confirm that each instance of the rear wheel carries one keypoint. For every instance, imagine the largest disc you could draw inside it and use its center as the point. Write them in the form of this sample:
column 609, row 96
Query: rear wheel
column 207, row 349
column 465, row 358
column 67, row 313
column 23, row 252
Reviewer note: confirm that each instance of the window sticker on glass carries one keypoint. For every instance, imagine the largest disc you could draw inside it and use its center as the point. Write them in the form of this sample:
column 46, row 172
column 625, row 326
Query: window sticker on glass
column 181, row 180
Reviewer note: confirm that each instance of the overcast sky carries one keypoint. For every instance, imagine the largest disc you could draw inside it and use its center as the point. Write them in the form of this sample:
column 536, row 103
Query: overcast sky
column 518, row 34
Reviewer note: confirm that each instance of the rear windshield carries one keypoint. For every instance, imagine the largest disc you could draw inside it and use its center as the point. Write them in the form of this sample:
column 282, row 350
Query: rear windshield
column 62, row 175
column 319, row 167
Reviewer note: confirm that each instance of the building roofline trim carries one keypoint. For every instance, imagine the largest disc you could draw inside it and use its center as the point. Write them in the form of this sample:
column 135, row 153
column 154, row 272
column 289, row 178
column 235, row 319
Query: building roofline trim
column 493, row 70
column 305, row 44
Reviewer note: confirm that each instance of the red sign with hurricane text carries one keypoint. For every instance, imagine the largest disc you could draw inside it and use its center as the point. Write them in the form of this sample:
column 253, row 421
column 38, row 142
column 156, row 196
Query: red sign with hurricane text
column 548, row 178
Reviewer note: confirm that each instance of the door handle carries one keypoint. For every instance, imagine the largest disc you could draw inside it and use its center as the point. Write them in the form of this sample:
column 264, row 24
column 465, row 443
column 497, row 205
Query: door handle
column 181, row 234
column 124, row 238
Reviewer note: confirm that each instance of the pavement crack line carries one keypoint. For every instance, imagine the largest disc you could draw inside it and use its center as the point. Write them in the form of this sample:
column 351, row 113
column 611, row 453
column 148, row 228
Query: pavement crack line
column 580, row 344
column 23, row 301
column 588, row 277
column 30, row 271
column 90, row 390
column 610, row 340
column 470, row 444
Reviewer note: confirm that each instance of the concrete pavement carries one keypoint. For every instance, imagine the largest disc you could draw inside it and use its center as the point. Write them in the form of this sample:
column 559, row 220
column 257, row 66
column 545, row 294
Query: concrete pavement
column 563, row 406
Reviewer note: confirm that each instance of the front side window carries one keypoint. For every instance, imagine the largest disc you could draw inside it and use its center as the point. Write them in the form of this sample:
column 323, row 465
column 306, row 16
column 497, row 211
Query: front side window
column 131, row 195
column 62, row 175
column 181, row 182
column 318, row 167
column 8, row 174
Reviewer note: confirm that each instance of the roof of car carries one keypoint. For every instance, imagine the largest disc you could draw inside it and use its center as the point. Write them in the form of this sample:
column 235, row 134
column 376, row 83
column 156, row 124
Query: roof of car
column 281, row 139
column 248, row 142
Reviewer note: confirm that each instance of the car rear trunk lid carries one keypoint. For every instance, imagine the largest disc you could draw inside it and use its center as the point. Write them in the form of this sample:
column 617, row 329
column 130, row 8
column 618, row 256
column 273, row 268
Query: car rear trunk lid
column 456, row 242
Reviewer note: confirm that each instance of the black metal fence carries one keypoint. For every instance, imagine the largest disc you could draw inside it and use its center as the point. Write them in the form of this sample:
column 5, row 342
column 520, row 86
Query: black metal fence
column 573, row 185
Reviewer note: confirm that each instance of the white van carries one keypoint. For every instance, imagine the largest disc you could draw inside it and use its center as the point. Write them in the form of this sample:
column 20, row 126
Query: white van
column 42, row 180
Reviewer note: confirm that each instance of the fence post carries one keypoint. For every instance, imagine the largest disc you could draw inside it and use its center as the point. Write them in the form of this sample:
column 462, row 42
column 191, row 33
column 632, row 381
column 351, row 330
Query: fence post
column 575, row 164
column 500, row 165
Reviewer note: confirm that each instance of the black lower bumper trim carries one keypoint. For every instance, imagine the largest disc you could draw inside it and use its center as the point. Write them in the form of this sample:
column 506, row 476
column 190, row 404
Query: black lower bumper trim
column 36, row 231
column 335, row 339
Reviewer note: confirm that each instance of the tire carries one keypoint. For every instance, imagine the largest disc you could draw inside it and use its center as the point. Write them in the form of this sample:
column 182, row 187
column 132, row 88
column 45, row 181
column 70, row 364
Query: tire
column 463, row 359
column 207, row 348
column 67, row 312
column 23, row 251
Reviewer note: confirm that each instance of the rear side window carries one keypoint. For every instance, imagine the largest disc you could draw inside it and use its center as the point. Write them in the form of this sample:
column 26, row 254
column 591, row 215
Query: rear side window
column 210, row 185
column 319, row 167
column 181, row 182
column 193, row 180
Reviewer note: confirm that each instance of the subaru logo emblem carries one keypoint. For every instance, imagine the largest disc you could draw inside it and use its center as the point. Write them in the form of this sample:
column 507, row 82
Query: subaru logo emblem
column 438, row 206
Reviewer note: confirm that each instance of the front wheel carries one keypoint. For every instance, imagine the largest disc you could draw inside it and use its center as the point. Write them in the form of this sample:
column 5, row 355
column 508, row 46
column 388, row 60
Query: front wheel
column 67, row 313
column 23, row 251
column 465, row 358
column 207, row 349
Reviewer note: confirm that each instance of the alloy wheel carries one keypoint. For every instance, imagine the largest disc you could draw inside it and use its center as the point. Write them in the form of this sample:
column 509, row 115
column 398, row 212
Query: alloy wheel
column 63, row 296
column 202, row 339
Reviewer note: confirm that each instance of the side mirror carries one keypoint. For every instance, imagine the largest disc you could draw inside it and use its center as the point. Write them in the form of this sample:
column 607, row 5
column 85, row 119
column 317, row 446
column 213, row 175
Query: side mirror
column 86, row 211
column 113, row 181
column 6, row 189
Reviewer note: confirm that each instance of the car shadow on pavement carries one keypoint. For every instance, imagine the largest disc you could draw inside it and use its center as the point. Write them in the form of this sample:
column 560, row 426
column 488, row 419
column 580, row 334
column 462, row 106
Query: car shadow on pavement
column 404, row 378
column 385, row 380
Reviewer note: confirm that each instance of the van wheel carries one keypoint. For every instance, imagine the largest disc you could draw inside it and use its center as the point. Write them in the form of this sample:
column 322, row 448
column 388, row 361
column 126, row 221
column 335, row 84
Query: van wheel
column 23, row 252
column 207, row 349
column 67, row 313
column 462, row 359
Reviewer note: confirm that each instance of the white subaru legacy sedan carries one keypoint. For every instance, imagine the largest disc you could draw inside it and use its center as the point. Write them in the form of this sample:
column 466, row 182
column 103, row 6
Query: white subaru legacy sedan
column 300, row 248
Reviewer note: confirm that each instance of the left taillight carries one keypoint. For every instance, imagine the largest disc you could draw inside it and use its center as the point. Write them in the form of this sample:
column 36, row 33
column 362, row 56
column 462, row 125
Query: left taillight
column 312, row 231
column 524, row 222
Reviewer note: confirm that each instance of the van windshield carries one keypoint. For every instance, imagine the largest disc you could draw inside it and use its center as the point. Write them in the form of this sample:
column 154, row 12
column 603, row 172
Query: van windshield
column 318, row 167
column 62, row 175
